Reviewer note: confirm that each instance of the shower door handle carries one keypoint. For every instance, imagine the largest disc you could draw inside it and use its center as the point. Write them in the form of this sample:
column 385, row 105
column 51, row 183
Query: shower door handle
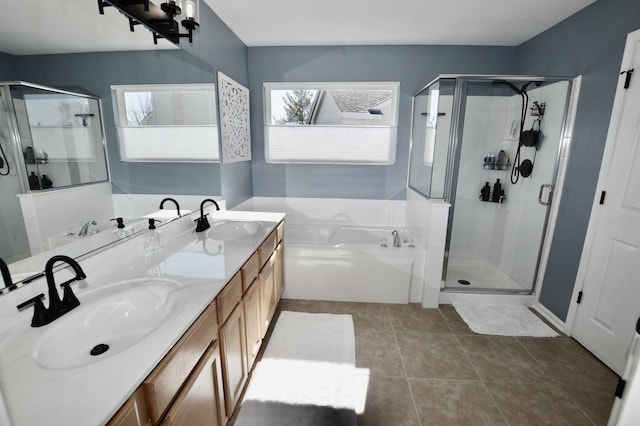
column 542, row 187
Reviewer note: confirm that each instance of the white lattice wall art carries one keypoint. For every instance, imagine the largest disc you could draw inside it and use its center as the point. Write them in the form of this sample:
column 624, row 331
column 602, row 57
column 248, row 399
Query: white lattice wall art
column 233, row 98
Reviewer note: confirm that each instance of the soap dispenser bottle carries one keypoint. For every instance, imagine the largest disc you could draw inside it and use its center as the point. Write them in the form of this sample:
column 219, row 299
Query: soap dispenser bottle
column 121, row 230
column 497, row 191
column 152, row 239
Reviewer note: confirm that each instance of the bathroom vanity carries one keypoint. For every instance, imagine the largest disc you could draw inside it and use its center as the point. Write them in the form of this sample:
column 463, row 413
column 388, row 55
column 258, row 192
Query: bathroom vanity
column 213, row 295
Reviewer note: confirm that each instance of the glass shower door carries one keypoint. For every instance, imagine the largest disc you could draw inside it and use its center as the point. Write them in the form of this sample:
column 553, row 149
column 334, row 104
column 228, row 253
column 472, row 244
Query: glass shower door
column 502, row 186
column 13, row 234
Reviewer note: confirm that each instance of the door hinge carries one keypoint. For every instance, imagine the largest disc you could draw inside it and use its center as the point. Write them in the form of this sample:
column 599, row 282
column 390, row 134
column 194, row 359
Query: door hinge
column 627, row 79
column 620, row 388
column 602, row 195
column 638, row 326
column 579, row 297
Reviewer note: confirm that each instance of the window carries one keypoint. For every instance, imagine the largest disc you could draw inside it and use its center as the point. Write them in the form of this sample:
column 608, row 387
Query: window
column 167, row 122
column 332, row 123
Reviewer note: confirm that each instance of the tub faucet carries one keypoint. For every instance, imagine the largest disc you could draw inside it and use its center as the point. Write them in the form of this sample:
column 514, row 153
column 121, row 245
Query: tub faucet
column 57, row 308
column 202, row 224
column 173, row 201
column 85, row 228
column 396, row 239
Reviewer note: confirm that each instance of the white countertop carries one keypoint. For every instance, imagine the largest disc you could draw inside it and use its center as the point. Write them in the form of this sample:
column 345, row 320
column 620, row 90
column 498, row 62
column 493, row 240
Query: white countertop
column 91, row 394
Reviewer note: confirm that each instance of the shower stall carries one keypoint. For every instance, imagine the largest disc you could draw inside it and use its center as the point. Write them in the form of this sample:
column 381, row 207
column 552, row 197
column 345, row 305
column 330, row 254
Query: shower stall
column 490, row 146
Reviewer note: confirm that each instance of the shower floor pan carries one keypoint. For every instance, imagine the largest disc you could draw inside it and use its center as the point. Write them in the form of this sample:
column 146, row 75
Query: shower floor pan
column 481, row 275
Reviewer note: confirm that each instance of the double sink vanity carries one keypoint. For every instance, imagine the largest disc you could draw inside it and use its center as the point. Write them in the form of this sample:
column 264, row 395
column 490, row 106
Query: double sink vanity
column 163, row 338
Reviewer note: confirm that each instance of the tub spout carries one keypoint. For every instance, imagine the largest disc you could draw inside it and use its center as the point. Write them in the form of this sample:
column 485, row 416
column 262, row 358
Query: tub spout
column 396, row 239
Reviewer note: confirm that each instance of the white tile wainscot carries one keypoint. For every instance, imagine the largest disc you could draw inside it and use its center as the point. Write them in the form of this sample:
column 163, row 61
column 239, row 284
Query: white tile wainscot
column 427, row 220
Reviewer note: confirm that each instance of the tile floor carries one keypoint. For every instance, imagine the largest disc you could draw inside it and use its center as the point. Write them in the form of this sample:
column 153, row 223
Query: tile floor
column 427, row 367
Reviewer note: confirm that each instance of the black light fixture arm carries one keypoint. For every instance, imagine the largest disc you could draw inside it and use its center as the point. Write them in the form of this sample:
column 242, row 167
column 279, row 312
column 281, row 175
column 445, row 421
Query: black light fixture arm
column 160, row 20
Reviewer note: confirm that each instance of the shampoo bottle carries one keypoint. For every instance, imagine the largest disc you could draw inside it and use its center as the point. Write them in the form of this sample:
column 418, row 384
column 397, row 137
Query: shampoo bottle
column 152, row 239
column 46, row 182
column 34, row 181
column 497, row 191
column 485, row 192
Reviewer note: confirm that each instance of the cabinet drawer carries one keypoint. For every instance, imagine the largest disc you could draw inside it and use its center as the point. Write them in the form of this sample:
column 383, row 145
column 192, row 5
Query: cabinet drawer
column 229, row 297
column 267, row 247
column 165, row 381
column 280, row 231
column 250, row 271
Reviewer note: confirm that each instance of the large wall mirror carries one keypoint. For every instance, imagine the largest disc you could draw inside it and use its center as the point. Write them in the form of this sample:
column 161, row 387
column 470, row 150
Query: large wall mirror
column 88, row 53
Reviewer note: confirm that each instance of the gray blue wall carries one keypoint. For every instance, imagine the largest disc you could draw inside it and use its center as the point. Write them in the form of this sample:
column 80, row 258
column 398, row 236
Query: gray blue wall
column 589, row 43
column 412, row 66
column 7, row 67
column 216, row 44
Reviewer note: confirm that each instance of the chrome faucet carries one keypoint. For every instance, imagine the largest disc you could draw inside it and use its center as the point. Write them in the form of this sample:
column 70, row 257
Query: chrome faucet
column 57, row 308
column 85, row 228
column 6, row 275
column 173, row 201
column 396, row 239
column 202, row 224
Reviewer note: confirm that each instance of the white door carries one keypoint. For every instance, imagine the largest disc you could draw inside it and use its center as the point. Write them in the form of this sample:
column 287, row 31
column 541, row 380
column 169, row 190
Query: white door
column 626, row 410
column 609, row 273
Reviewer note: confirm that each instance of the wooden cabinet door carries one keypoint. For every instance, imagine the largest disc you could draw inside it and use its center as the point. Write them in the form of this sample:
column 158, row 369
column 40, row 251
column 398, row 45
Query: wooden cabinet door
column 134, row 412
column 164, row 382
column 234, row 357
column 268, row 293
column 253, row 323
column 279, row 273
column 201, row 402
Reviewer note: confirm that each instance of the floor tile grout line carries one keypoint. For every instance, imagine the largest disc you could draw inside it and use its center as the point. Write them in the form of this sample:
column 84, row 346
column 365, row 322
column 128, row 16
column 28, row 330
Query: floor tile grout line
column 540, row 365
column 404, row 368
column 484, row 384
column 558, row 386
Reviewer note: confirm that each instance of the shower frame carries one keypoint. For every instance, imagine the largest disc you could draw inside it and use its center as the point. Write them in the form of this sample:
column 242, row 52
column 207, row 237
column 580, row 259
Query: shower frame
column 453, row 155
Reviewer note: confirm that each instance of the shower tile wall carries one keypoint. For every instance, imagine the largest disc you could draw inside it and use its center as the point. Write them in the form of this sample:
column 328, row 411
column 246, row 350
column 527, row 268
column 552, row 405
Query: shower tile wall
column 504, row 236
column 522, row 217
column 485, row 130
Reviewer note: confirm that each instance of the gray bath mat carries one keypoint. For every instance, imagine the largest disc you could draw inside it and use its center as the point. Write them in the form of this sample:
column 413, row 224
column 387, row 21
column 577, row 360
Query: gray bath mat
column 503, row 320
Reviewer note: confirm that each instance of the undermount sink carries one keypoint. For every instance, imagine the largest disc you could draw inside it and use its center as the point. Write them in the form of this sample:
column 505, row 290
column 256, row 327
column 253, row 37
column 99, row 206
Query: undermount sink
column 233, row 230
column 109, row 321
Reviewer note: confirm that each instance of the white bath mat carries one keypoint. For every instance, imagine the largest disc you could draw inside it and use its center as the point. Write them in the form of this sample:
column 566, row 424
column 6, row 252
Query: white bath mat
column 503, row 320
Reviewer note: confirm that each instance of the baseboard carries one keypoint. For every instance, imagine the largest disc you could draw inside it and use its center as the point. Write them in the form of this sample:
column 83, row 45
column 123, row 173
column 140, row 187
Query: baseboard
column 549, row 316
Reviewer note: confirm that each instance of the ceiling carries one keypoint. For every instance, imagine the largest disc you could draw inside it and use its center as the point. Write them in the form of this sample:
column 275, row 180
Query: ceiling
column 35, row 27
column 32, row 27
column 368, row 22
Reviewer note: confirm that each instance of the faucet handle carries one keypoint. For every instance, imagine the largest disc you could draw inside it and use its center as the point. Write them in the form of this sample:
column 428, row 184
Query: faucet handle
column 40, row 314
column 69, row 300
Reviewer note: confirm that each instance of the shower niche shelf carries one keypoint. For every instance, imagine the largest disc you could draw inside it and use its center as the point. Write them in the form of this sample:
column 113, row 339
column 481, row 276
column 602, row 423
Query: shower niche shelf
column 496, row 167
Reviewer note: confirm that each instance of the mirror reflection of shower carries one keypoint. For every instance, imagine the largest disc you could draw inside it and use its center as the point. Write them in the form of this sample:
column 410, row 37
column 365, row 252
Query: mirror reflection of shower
column 495, row 154
column 49, row 139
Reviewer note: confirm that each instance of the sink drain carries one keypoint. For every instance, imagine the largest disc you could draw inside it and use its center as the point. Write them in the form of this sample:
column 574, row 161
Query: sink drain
column 99, row 349
column 464, row 282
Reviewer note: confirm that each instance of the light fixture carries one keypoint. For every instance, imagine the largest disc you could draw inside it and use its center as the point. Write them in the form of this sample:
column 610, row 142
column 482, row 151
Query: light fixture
column 160, row 20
